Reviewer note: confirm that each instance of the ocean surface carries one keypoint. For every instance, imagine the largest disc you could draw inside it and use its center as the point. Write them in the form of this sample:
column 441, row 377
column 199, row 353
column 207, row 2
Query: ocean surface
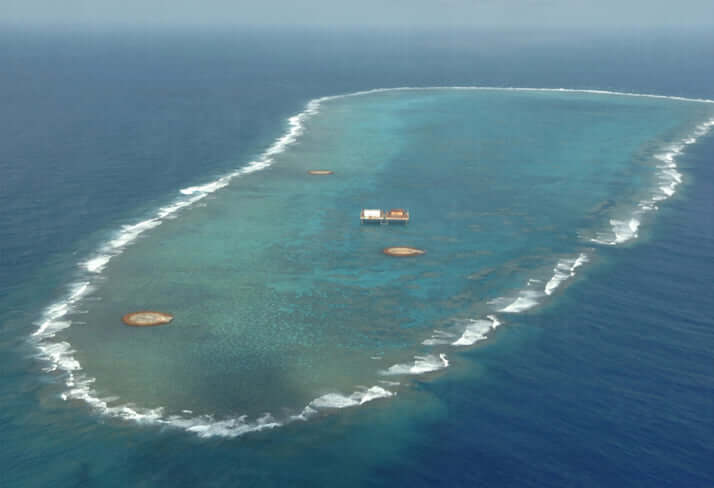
column 557, row 332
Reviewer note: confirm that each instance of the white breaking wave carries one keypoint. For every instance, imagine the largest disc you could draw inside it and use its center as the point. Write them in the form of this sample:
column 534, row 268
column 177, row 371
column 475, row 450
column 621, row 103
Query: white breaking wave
column 625, row 230
column 529, row 297
column 51, row 321
column 421, row 365
column 207, row 426
column 518, row 89
column 564, row 270
column 438, row 337
column 60, row 354
column 477, row 330
column 360, row 397
column 525, row 300
column 622, row 230
column 97, row 263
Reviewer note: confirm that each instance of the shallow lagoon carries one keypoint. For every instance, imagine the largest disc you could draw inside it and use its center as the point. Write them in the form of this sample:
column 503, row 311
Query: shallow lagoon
column 282, row 299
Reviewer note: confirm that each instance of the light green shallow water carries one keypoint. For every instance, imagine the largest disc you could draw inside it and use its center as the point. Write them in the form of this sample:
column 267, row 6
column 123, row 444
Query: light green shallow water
column 281, row 296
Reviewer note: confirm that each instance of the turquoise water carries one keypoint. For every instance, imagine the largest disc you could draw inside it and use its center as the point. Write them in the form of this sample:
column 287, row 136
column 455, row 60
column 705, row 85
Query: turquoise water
column 605, row 382
column 285, row 306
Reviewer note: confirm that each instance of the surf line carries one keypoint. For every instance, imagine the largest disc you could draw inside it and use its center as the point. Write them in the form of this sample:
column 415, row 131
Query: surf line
column 668, row 179
column 60, row 354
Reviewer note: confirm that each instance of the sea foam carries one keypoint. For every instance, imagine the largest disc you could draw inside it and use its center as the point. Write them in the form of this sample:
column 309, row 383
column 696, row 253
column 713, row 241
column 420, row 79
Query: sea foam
column 477, row 330
column 525, row 300
column 438, row 337
column 360, row 397
column 421, row 365
column 564, row 270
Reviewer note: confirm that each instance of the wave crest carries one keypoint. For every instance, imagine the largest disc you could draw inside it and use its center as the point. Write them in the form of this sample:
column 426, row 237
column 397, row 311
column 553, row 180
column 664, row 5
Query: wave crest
column 477, row 330
column 421, row 365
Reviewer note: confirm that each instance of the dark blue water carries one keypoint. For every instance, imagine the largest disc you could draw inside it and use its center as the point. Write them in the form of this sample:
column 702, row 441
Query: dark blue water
column 610, row 385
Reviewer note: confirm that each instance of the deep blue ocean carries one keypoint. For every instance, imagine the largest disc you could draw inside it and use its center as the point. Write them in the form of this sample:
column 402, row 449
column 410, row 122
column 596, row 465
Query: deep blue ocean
column 558, row 331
